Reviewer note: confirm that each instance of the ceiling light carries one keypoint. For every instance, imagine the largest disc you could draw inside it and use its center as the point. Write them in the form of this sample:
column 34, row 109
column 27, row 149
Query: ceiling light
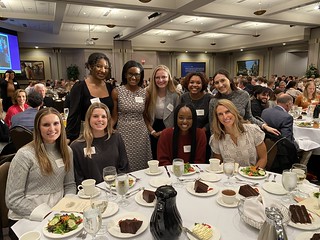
column 284, row 44
column 213, row 43
column 144, row 1
column 241, row 50
column 110, row 25
column 196, row 31
column 317, row 7
column 260, row 12
column 153, row 15
column 162, row 41
column 256, row 35
column 94, row 38
column 36, row 47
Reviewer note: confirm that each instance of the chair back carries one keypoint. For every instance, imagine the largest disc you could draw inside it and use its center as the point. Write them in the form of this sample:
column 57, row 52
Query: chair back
column 20, row 136
column 271, row 151
column 9, row 148
column 4, row 168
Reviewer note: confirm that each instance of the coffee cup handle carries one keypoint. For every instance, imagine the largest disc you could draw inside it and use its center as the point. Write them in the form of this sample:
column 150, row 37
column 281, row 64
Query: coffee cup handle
column 80, row 187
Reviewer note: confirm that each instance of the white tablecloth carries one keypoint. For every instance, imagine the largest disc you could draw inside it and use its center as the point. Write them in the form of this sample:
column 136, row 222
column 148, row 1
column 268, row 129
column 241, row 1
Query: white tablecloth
column 192, row 209
column 304, row 136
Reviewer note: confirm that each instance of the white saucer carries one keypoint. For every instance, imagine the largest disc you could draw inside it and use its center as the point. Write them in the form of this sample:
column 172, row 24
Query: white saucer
column 223, row 204
column 210, row 177
column 159, row 181
column 82, row 195
column 147, row 171
column 208, row 169
column 111, row 209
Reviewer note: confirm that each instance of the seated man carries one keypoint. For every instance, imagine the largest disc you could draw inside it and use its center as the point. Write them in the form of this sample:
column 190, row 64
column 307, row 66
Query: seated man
column 260, row 100
column 41, row 88
column 26, row 118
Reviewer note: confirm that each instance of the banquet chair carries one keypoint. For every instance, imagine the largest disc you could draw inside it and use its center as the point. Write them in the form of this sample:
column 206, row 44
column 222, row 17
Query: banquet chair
column 20, row 136
column 9, row 148
column 4, row 168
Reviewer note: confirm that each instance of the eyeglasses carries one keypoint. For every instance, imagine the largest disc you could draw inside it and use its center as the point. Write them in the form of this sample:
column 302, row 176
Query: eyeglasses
column 136, row 75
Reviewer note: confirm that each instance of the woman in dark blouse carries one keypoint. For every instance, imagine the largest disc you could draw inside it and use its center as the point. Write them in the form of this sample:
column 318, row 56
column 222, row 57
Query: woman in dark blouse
column 93, row 89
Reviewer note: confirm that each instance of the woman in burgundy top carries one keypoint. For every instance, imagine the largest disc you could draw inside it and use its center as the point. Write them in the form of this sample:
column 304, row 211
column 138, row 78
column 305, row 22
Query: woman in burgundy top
column 185, row 140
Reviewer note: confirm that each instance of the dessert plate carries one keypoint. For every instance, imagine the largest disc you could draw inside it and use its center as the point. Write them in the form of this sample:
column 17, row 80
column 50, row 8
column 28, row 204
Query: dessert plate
column 315, row 223
column 82, row 195
column 305, row 235
column 68, row 234
column 223, row 204
column 208, row 169
column 139, row 199
column 159, row 181
column 111, row 209
column 274, row 188
column 252, row 177
column 114, row 229
column 216, row 235
column 190, row 189
column 210, row 177
column 147, row 171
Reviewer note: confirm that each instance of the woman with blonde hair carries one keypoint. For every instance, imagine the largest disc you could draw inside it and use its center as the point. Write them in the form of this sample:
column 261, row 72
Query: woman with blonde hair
column 308, row 96
column 99, row 146
column 162, row 98
column 41, row 173
column 19, row 105
column 233, row 137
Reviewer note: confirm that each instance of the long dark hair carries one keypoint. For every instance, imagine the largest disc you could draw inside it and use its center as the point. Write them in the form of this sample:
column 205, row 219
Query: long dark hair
column 129, row 65
column 193, row 132
column 227, row 74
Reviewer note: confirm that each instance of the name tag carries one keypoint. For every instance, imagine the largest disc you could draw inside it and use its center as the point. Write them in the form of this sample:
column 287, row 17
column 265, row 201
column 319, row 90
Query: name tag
column 187, row 148
column 94, row 100
column 138, row 99
column 60, row 163
column 93, row 151
column 170, row 107
column 200, row 112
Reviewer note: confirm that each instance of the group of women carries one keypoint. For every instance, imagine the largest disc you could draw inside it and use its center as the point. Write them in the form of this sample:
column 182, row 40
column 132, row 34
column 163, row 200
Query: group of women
column 127, row 126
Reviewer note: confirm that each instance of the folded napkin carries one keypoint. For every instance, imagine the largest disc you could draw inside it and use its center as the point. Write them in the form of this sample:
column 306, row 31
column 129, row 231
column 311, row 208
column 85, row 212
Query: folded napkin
column 71, row 204
column 254, row 209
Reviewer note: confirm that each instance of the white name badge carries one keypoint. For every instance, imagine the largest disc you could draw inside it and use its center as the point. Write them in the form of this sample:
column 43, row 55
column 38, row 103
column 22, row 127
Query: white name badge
column 200, row 112
column 94, row 100
column 170, row 107
column 138, row 99
column 60, row 163
column 187, row 148
column 93, row 151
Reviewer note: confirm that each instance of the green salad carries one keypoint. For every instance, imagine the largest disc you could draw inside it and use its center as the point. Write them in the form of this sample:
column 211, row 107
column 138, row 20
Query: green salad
column 188, row 168
column 253, row 171
column 61, row 224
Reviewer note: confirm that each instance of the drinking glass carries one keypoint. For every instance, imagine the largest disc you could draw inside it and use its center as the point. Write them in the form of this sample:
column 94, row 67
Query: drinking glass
column 92, row 221
column 178, row 169
column 289, row 182
column 228, row 169
column 301, row 171
column 109, row 176
column 100, row 202
column 122, row 186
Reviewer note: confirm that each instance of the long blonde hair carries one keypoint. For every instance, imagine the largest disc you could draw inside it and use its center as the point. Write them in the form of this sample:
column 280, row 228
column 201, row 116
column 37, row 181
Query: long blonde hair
column 37, row 143
column 218, row 128
column 87, row 131
column 15, row 95
column 305, row 91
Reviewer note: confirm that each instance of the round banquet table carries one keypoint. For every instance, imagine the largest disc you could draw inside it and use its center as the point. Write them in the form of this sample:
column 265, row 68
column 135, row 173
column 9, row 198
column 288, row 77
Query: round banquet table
column 192, row 209
column 312, row 134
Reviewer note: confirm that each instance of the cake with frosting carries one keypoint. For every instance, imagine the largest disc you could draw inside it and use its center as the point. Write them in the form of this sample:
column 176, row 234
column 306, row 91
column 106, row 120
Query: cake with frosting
column 200, row 187
column 148, row 196
column 315, row 236
column 203, row 231
column 299, row 214
column 130, row 225
column 247, row 191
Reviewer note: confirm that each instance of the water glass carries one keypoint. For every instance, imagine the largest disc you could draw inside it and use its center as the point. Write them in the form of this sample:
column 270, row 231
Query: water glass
column 289, row 182
column 301, row 171
column 100, row 202
column 178, row 170
column 92, row 221
column 228, row 169
column 109, row 176
column 122, row 186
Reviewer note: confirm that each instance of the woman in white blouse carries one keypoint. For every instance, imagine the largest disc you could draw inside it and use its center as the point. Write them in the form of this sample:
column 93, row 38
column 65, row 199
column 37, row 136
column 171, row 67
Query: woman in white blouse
column 236, row 138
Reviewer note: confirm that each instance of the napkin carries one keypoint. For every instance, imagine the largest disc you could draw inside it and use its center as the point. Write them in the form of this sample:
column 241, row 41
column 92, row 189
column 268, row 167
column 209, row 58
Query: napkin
column 70, row 204
column 307, row 144
column 254, row 209
column 39, row 213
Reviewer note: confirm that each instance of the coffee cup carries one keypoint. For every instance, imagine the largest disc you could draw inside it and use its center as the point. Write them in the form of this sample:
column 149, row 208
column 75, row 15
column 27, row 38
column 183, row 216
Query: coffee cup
column 153, row 166
column 228, row 196
column 88, row 186
column 214, row 164
column 32, row 235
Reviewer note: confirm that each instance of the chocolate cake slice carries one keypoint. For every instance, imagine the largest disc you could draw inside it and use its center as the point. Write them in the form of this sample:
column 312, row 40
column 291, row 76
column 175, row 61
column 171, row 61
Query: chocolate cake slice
column 148, row 196
column 130, row 225
column 315, row 236
column 200, row 187
column 299, row 214
column 247, row 191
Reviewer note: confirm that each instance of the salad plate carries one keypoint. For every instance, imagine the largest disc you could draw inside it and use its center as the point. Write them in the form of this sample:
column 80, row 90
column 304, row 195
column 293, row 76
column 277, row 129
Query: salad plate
column 216, row 235
column 52, row 235
column 82, row 195
column 189, row 169
column 111, row 209
column 210, row 177
column 147, row 171
column 252, row 172
column 159, row 181
column 114, row 229
column 274, row 188
column 139, row 199
column 315, row 222
column 213, row 190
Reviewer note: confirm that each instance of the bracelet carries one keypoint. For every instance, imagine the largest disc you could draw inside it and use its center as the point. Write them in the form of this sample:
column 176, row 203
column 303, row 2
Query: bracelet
column 152, row 132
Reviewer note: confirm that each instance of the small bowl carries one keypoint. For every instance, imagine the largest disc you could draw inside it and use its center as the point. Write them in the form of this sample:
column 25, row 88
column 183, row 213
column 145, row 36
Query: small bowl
column 32, row 235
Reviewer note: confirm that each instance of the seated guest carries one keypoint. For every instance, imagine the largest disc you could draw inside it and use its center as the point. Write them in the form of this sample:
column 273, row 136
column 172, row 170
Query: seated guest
column 98, row 146
column 19, row 100
column 8, row 85
column 41, row 88
column 292, row 89
column 41, row 172
column 260, row 100
column 236, row 138
column 308, row 96
column 274, row 96
column 185, row 140
column 26, row 118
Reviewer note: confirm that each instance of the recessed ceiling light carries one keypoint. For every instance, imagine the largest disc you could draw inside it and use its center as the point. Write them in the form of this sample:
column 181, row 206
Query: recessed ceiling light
column 241, row 50
column 260, row 12
column 317, row 7
column 284, row 44
column 213, row 43
column 205, row 51
column 110, row 25
column 162, row 41
column 196, row 31
column 36, row 47
column 144, row 1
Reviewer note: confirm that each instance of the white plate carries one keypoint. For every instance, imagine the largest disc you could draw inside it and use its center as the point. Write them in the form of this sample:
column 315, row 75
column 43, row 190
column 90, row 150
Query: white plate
column 252, row 177
column 139, row 199
column 216, row 235
column 305, row 235
column 111, row 209
column 114, row 229
column 113, row 186
column 82, row 195
column 159, row 181
column 223, row 204
column 190, row 189
column 315, row 223
column 189, row 173
column 216, row 171
column 274, row 188
column 147, row 171
column 59, row 236
column 210, row 177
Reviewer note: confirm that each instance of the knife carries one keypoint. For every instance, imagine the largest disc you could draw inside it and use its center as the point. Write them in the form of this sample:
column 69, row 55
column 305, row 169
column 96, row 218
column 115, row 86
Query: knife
column 106, row 190
column 129, row 194
column 167, row 171
column 191, row 233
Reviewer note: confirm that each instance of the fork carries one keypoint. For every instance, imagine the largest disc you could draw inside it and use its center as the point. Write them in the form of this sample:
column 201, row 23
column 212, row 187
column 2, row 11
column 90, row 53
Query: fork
column 137, row 178
column 82, row 235
column 267, row 180
column 201, row 170
column 274, row 177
